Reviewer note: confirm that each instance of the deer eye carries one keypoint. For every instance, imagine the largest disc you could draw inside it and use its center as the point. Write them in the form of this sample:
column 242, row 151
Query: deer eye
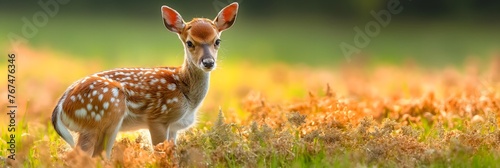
column 217, row 42
column 190, row 44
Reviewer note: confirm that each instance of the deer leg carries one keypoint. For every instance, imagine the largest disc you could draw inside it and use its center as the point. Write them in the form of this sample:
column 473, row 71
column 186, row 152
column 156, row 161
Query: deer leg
column 87, row 141
column 112, row 137
column 158, row 132
column 98, row 148
column 172, row 135
column 108, row 139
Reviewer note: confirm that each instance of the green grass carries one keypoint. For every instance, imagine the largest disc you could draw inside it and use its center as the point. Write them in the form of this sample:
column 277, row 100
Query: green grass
column 483, row 157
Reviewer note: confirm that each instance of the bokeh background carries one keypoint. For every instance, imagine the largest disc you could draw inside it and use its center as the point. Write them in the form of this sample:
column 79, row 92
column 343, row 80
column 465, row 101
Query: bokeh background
column 282, row 49
column 297, row 32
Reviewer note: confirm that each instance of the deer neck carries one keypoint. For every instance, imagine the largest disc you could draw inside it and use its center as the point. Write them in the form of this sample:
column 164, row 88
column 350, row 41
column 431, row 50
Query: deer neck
column 195, row 82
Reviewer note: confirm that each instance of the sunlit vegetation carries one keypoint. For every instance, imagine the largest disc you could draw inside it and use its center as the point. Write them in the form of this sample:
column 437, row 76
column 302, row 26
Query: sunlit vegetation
column 287, row 116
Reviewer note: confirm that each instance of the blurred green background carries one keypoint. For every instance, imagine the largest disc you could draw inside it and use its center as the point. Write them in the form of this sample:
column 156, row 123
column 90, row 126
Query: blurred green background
column 429, row 32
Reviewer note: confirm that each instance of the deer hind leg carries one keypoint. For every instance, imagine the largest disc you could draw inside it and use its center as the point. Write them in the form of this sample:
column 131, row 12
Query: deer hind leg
column 107, row 140
column 87, row 141
column 98, row 146
column 158, row 132
column 97, row 107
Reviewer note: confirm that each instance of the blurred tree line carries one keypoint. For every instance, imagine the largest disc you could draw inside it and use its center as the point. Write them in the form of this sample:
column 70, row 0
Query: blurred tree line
column 347, row 9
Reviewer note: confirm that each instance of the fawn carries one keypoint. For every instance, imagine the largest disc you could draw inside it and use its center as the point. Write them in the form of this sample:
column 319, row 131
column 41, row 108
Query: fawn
column 163, row 99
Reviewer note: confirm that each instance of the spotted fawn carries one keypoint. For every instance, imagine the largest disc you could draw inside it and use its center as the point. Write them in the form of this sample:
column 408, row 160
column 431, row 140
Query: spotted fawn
column 163, row 100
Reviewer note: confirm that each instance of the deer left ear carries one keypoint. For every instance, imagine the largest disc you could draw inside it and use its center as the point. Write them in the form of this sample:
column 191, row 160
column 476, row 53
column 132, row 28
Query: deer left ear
column 226, row 17
column 172, row 19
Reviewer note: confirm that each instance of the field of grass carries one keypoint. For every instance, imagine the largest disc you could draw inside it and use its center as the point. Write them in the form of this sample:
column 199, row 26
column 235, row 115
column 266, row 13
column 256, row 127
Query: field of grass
column 293, row 116
column 282, row 96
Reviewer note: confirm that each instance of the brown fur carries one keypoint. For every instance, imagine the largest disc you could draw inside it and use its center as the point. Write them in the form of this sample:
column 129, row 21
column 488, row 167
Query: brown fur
column 202, row 30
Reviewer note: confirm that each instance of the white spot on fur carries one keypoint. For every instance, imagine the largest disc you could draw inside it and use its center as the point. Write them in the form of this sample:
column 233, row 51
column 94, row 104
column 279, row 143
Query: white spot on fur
column 131, row 92
column 172, row 100
column 105, row 105
column 171, row 86
column 100, row 97
column 175, row 77
column 89, row 106
column 73, row 98
column 134, row 105
column 152, row 82
column 104, row 90
column 162, row 80
column 115, row 92
column 112, row 100
column 68, row 122
column 81, row 113
column 94, row 93
column 98, row 118
column 163, row 108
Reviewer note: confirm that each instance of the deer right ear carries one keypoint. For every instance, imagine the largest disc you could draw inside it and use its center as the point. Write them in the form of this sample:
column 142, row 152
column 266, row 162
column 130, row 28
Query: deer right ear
column 172, row 20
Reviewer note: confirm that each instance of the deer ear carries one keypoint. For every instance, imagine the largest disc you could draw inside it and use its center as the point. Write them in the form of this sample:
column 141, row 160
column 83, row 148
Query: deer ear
column 172, row 20
column 226, row 17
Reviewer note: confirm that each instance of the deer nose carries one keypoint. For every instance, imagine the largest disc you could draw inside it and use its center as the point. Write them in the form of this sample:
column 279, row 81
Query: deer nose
column 208, row 63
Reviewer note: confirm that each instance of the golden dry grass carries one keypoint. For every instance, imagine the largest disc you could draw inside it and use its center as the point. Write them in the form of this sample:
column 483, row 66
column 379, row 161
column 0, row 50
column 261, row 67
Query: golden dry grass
column 281, row 116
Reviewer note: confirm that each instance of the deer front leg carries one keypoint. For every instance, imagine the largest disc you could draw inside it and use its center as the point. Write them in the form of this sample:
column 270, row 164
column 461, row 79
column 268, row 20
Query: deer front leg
column 158, row 132
column 172, row 135
column 185, row 122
